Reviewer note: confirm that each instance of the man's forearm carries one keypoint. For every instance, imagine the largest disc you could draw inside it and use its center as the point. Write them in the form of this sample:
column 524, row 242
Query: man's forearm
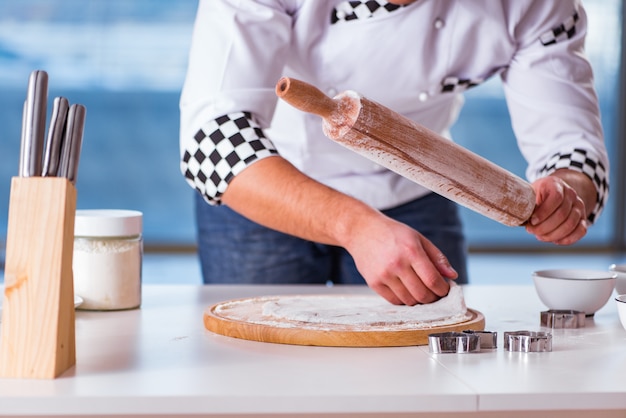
column 274, row 193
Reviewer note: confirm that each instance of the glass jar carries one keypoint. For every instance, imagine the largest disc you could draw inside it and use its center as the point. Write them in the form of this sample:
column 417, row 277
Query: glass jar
column 107, row 258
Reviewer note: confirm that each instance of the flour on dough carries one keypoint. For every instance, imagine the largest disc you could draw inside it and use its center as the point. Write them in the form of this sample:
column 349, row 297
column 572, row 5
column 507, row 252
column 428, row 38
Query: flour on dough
column 368, row 310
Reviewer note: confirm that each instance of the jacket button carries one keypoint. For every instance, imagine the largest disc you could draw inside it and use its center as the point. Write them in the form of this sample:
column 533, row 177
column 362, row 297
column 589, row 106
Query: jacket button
column 423, row 96
column 439, row 23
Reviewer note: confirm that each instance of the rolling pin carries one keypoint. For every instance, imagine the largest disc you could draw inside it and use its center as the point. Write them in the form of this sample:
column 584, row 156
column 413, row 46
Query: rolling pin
column 415, row 152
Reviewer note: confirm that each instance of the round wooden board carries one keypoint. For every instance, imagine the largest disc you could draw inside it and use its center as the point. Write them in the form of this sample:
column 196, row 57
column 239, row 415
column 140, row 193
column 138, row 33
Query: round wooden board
column 331, row 336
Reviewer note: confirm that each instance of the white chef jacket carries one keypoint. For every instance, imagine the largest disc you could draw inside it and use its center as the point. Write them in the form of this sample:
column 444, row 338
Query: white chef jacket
column 416, row 60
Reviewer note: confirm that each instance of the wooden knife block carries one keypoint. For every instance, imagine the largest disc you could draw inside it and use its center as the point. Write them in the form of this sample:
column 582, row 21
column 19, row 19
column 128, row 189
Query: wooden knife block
column 38, row 335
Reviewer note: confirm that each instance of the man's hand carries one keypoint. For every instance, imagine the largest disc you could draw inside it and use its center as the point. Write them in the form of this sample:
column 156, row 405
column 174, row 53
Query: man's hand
column 399, row 263
column 564, row 200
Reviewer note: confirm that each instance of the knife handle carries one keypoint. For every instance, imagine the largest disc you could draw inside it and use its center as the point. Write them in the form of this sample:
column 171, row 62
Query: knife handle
column 72, row 143
column 56, row 131
column 23, row 163
column 34, row 125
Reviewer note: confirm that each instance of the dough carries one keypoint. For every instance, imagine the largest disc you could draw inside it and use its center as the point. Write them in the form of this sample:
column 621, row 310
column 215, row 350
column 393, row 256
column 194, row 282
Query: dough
column 348, row 312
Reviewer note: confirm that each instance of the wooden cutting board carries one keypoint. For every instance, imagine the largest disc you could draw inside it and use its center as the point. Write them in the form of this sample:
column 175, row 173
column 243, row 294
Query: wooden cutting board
column 255, row 325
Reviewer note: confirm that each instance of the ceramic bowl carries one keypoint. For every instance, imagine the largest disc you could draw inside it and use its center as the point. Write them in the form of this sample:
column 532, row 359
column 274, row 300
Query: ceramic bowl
column 574, row 289
column 621, row 309
column 620, row 283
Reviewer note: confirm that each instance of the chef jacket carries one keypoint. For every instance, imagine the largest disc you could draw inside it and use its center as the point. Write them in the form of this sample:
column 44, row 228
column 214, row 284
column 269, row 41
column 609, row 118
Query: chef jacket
column 416, row 59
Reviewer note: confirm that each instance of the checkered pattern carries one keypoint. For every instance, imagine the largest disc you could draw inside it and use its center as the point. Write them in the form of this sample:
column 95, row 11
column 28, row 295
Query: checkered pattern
column 564, row 31
column 579, row 160
column 221, row 150
column 457, row 85
column 360, row 9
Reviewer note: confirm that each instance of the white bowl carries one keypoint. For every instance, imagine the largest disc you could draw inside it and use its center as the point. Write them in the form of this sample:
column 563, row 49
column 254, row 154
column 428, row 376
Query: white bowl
column 574, row 289
column 620, row 284
column 621, row 309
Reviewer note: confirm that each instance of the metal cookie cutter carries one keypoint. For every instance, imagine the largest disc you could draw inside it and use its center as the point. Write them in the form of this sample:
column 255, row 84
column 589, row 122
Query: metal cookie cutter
column 488, row 339
column 528, row 341
column 562, row 319
column 453, row 342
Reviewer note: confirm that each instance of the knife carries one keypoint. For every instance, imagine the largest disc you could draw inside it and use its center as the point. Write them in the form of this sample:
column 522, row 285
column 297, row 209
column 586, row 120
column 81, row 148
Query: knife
column 72, row 143
column 34, row 125
column 56, row 130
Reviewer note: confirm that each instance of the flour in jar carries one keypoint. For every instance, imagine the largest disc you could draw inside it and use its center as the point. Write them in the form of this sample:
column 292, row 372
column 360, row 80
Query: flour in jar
column 367, row 311
column 107, row 258
column 107, row 273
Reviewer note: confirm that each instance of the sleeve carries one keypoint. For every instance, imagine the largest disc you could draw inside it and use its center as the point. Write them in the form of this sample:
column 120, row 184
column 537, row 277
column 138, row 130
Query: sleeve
column 551, row 97
column 237, row 54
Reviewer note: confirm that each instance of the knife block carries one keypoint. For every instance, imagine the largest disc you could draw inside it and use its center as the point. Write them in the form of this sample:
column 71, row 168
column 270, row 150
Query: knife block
column 38, row 331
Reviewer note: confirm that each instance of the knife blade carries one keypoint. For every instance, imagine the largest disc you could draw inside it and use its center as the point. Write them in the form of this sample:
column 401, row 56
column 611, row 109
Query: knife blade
column 34, row 125
column 72, row 143
column 56, row 131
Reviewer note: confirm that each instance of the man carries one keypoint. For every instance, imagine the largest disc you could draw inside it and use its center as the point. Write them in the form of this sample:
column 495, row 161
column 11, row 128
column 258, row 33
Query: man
column 287, row 205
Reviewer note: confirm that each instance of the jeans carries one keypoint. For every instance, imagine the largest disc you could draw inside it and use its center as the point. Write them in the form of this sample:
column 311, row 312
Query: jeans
column 235, row 250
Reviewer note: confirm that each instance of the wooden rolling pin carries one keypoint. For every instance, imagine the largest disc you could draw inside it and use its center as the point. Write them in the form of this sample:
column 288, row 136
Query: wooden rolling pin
column 415, row 152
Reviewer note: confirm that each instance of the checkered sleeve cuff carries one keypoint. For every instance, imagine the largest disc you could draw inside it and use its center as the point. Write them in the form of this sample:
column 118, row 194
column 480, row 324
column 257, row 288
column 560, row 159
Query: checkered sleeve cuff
column 579, row 160
column 562, row 32
column 221, row 149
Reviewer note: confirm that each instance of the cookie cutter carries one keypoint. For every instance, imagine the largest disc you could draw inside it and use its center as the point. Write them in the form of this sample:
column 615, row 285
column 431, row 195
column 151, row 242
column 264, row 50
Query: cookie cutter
column 528, row 341
column 488, row 339
column 453, row 342
column 557, row 318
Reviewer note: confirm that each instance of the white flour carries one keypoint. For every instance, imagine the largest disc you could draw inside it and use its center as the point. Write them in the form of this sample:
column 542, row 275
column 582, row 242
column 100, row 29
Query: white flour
column 346, row 114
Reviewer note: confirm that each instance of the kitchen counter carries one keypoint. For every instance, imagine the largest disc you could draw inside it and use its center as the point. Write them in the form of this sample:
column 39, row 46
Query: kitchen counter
column 160, row 361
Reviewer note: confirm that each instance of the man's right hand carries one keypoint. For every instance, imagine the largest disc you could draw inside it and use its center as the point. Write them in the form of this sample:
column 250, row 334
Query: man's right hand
column 399, row 263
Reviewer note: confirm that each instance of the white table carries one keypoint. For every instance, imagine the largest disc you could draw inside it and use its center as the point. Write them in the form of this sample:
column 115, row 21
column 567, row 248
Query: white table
column 159, row 360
